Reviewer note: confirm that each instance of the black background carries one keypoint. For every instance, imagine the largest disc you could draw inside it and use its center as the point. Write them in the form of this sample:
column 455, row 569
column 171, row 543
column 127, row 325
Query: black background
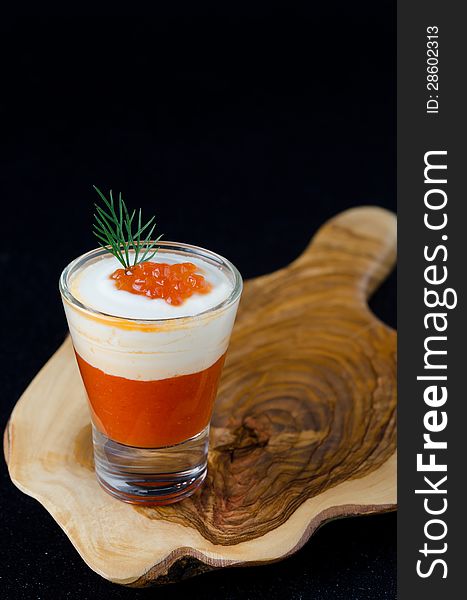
column 243, row 134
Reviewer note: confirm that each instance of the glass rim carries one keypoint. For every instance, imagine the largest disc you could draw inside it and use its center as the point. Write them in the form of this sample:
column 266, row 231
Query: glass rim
column 188, row 249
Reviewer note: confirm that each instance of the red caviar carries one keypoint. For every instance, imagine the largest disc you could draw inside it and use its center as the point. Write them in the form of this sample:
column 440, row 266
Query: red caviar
column 173, row 283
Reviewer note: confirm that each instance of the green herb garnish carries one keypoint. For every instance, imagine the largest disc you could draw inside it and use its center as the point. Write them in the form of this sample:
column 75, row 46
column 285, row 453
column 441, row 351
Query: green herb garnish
column 114, row 229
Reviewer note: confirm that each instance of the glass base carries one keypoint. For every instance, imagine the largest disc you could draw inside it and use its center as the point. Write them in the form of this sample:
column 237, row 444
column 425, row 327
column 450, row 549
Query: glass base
column 150, row 476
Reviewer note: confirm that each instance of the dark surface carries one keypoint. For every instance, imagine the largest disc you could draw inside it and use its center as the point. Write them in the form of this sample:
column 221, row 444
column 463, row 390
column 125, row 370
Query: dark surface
column 243, row 135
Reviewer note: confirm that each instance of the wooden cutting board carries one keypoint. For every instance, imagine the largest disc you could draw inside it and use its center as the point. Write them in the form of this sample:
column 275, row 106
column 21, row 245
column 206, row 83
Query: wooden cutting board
column 303, row 429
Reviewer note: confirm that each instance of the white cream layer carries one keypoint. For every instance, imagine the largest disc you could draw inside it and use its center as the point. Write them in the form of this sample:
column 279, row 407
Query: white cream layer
column 94, row 288
column 185, row 345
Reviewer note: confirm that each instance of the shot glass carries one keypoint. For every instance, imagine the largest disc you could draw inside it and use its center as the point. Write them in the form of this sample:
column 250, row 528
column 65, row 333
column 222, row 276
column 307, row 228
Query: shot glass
column 151, row 385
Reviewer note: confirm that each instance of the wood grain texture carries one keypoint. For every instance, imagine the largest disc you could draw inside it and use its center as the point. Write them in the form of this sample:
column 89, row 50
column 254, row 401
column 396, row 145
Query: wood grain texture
column 303, row 429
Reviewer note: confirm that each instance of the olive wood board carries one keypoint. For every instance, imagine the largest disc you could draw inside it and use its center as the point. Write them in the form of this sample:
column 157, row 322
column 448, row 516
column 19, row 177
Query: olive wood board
column 303, row 431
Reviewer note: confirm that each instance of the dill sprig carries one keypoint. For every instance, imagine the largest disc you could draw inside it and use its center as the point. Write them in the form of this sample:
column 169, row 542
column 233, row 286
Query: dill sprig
column 113, row 228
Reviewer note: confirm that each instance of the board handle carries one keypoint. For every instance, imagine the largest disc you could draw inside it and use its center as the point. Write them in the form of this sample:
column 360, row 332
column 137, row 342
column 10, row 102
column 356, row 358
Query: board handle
column 359, row 243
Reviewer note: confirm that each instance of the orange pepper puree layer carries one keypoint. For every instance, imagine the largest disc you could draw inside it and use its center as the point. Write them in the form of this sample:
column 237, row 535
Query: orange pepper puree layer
column 173, row 283
column 151, row 414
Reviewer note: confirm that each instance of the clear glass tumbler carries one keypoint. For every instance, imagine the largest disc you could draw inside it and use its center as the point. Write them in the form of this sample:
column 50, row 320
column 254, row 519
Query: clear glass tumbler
column 151, row 385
